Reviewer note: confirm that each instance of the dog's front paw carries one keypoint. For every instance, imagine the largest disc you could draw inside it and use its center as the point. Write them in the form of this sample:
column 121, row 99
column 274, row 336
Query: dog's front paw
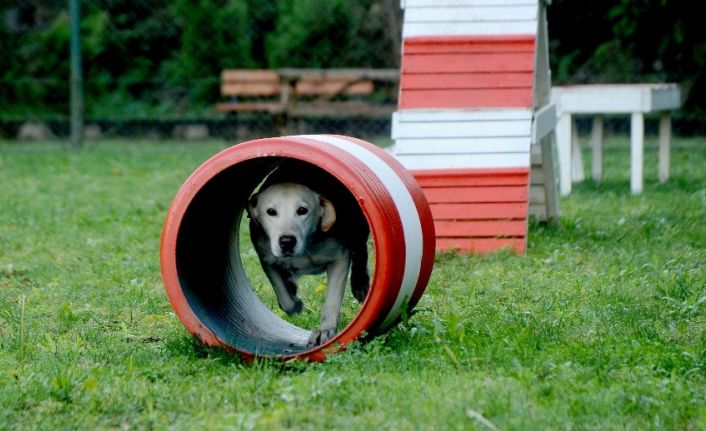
column 295, row 307
column 320, row 336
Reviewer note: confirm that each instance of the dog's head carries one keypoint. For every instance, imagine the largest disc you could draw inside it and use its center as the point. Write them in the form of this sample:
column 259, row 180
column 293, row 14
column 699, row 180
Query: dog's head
column 289, row 213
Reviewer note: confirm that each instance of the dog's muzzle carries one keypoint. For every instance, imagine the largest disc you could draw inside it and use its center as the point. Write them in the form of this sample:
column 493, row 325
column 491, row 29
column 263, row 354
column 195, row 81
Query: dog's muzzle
column 287, row 243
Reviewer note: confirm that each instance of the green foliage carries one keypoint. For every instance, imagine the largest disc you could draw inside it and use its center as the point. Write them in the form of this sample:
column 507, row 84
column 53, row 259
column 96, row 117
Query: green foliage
column 214, row 36
column 328, row 34
column 164, row 57
column 630, row 41
column 310, row 33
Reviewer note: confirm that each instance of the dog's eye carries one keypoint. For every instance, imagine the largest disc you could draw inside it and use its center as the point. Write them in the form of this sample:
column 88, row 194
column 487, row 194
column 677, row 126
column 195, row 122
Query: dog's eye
column 271, row 212
column 302, row 210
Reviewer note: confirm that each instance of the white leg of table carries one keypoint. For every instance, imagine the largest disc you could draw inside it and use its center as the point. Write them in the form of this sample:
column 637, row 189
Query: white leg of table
column 637, row 145
column 577, row 174
column 665, row 135
column 563, row 148
column 597, row 147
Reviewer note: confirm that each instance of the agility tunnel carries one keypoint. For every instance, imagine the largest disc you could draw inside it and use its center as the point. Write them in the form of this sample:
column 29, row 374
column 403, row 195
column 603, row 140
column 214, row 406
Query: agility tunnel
column 202, row 267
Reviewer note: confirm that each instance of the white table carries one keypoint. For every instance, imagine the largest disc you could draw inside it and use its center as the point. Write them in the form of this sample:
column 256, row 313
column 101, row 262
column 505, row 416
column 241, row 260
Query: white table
column 633, row 99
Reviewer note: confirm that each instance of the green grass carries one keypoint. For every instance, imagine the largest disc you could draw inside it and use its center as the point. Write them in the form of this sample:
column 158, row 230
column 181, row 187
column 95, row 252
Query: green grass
column 602, row 325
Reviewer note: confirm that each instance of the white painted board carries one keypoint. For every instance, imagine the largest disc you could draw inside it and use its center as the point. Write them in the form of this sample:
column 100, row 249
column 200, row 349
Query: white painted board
column 462, row 145
column 466, row 161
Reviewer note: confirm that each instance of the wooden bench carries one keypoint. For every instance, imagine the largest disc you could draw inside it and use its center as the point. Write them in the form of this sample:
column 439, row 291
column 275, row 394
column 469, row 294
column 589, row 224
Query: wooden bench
column 304, row 92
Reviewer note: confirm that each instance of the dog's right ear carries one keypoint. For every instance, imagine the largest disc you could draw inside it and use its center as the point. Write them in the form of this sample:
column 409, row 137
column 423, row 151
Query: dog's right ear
column 252, row 207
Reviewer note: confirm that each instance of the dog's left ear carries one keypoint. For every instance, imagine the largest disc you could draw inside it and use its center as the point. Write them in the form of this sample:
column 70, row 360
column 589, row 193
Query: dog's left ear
column 328, row 217
column 252, row 204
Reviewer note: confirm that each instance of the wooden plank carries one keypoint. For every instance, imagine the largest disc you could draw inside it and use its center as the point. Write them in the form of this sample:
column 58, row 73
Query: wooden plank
column 250, row 89
column 467, row 45
column 463, row 63
column 458, row 194
column 479, row 211
column 271, row 107
column 613, row 98
column 455, row 115
column 664, row 97
column 535, row 156
column 537, row 194
column 348, row 74
column 452, row 3
column 544, row 122
column 426, row 81
column 538, row 211
column 257, row 75
column 326, row 87
column 481, row 245
column 665, row 134
column 474, row 13
column 461, row 161
column 417, row 130
column 470, row 145
column 414, row 29
column 474, row 98
column 500, row 180
column 480, row 229
column 476, row 177
column 537, row 175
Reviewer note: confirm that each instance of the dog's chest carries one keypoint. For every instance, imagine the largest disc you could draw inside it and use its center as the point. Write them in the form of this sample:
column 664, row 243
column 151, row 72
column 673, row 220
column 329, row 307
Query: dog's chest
column 315, row 260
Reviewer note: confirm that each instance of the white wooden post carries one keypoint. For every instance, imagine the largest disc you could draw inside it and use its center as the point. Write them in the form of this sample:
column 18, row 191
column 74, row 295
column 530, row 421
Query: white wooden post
column 637, row 145
column 563, row 134
column 665, row 133
column 597, row 147
column 577, row 174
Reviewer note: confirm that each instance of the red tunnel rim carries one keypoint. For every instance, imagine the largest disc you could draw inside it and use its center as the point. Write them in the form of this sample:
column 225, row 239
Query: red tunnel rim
column 375, row 305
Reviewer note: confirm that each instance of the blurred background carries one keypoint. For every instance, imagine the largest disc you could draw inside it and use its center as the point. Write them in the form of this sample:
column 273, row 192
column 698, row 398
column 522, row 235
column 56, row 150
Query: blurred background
column 152, row 66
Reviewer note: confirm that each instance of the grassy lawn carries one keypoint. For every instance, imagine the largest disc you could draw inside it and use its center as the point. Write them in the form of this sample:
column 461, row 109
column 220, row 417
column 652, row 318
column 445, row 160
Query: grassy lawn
column 602, row 325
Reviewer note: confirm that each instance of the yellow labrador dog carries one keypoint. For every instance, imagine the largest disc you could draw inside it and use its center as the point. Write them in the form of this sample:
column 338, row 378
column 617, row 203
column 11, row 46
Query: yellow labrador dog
column 305, row 222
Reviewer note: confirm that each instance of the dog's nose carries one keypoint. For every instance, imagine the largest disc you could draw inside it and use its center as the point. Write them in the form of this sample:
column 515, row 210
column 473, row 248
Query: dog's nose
column 287, row 243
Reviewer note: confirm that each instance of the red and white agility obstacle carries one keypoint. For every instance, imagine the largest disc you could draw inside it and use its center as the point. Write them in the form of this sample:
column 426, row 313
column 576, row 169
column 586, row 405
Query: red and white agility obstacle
column 200, row 256
column 474, row 122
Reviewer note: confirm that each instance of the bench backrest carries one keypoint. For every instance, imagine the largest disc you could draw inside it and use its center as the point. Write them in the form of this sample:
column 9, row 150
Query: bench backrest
column 265, row 82
column 317, row 85
column 247, row 82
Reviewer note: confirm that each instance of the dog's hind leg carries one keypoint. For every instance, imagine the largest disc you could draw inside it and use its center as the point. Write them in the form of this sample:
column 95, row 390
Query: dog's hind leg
column 360, row 278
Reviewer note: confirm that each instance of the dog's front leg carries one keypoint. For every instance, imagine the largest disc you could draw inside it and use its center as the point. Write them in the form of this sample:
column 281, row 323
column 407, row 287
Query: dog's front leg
column 331, row 312
column 286, row 296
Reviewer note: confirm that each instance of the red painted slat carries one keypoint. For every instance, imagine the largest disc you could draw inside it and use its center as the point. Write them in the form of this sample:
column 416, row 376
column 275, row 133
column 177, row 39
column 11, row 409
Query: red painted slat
column 459, row 63
column 476, row 194
column 468, row 46
column 476, row 98
column 417, row 81
column 481, row 245
column 479, row 211
column 471, row 177
column 478, row 229
column 461, row 39
column 501, row 180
